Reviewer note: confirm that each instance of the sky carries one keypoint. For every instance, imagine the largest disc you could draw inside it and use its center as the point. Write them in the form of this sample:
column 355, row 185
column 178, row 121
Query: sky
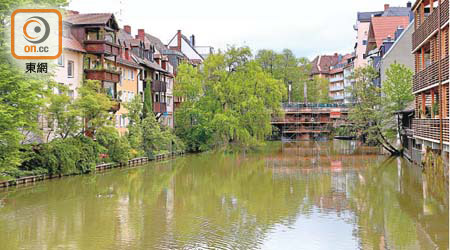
column 308, row 28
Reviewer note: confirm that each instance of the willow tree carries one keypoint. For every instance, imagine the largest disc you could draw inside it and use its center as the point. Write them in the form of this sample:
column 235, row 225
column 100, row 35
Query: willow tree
column 228, row 101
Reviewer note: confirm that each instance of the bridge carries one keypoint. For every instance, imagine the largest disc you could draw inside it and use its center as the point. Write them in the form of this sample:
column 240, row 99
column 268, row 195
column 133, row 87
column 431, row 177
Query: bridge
column 311, row 121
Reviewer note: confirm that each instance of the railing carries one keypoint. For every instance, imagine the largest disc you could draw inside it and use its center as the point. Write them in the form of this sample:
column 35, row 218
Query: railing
column 100, row 167
column 301, row 120
column 102, row 75
column 338, row 97
column 336, row 79
column 336, row 88
column 429, row 129
column 429, row 75
column 159, row 86
column 430, row 24
column 159, row 107
column 101, row 47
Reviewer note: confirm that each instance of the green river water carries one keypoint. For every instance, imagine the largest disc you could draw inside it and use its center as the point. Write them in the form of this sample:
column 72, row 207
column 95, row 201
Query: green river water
column 309, row 195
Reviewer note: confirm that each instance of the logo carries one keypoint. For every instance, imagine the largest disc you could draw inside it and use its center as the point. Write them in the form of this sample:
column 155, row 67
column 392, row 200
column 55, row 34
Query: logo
column 36, row 34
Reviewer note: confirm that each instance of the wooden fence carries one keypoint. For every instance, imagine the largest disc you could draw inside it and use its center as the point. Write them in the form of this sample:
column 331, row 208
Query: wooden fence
column 98, row 168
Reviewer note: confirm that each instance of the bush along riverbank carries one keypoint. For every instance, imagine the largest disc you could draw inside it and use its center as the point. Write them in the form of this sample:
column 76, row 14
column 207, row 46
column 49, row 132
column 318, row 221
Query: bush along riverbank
column 84, row 137
column 98, row 168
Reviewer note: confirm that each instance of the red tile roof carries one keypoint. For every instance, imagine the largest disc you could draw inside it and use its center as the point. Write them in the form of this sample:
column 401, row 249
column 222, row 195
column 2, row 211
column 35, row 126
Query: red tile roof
column 384, row 26
column 71, row 43
column 90, row 18
column 322, row 64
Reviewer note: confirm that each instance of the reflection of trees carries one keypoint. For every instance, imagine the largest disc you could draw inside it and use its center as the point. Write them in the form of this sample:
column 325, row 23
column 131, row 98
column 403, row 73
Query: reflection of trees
column 391, row 218
column 226, row 201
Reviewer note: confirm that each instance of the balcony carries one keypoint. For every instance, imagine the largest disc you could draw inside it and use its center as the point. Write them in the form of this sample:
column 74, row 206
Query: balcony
column 337, row 88
column 101, row 47
column 429, row 75
column 102, row 75
column 159, row 86
column 430, row 25
column 337, row 79
column 429, row 129
column 159, row 107
column 338, row 97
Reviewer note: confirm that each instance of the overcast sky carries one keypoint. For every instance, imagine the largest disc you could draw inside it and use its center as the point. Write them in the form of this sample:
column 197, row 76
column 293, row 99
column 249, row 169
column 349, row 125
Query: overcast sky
column 308, row 28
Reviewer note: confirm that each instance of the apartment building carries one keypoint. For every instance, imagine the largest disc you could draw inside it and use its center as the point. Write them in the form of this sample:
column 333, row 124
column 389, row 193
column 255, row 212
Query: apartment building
column 431, row 80
column 362, row 28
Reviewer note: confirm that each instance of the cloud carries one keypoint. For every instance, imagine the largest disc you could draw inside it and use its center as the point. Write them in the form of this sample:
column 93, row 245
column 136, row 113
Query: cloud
column 307, row 28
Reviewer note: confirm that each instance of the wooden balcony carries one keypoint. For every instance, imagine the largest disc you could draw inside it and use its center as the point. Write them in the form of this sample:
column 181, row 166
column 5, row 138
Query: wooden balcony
column 159, row 86
column 430, row 25
column 429, row 75
column 159, row 107
column 101, row 47
column 429, row 129
column 102, row 75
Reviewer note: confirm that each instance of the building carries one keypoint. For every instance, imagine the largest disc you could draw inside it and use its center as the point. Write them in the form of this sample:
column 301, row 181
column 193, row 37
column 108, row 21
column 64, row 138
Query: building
column 349, row 81
column 97, row 32
column 431, row 80
column 310, row 121
column 362, row 27
column 320, row 66
column 399, row 52
column 127, row 89
column 337, row 79
column 182, row 44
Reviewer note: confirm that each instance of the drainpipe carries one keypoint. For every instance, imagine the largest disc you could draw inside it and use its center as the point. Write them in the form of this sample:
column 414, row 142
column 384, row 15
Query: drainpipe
column 441, row 146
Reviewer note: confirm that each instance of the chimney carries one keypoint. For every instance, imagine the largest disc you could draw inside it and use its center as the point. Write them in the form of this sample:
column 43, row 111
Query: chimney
column 398, row 32
column 179, row 40
column 408, row 5
column 127, row 29
column 141, row 34
column 386, row 6
column 193, row 40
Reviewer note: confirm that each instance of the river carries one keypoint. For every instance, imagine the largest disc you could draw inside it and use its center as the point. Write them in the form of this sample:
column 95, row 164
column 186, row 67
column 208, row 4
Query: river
column 308, row 195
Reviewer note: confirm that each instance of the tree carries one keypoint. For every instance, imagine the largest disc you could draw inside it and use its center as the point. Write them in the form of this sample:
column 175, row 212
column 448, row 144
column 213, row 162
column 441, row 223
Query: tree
column 134, row 115
column 148, row 100
column 229, row 101
column 397, row 93
column 368, row 114
column 318, row 90
column 62, row 114
column 94, row 106
column 286, row 67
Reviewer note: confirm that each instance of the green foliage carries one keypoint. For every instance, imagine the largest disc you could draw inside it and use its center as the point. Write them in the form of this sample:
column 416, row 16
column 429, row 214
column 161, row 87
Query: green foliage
column 317, row 90
column 63, row 114
column 118, row 147
column 94, row 106
column 134, row 134
column 222, row 97
column 286, row 67
column 373, row 114
column 65, row 156
column 148, row 100
column 397, row 88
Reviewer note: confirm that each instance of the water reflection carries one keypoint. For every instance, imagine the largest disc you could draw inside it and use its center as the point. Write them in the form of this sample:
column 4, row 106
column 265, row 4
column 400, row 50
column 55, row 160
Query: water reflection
column 307, row 195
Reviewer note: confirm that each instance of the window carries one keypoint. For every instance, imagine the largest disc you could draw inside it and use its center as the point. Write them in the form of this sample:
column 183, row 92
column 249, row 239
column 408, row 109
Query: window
column 71, row 94
column 70, row 68
column 61, row 61
column 132, row 74
column 364, row 42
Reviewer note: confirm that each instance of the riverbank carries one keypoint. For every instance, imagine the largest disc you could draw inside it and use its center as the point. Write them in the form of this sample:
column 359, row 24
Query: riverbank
column 99, row 168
